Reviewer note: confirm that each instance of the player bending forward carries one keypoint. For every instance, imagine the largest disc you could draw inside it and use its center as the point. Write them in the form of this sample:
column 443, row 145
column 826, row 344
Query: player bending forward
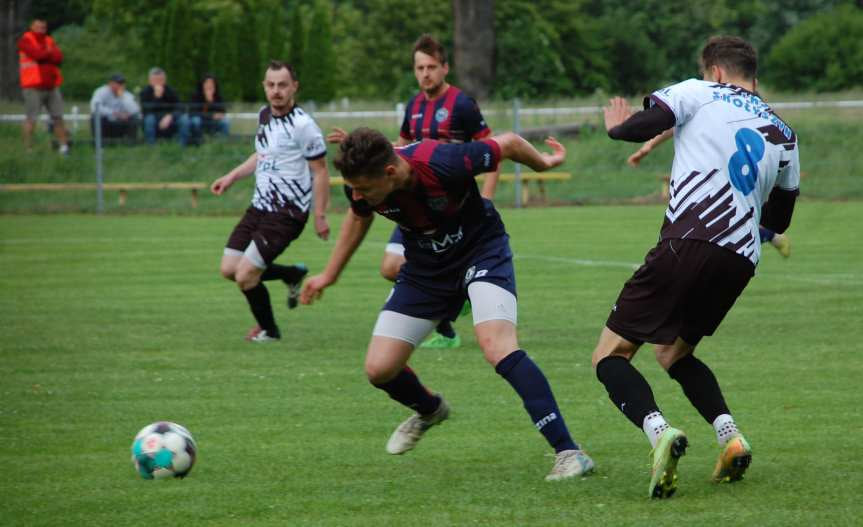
column 730, row 153
column 455, row 247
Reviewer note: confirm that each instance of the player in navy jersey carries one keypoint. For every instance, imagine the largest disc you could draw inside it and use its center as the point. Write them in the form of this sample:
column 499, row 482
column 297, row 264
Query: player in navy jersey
column 289, row 148
column 456, row 247
column 781, row 242
column 736, row 164
column 443, row 112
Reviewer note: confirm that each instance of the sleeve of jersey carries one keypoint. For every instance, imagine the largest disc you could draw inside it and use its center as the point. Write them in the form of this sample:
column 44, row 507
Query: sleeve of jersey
column 680, row 99
column 475, row 126
column 478, row 157
column 360, row 208
column 312, row 142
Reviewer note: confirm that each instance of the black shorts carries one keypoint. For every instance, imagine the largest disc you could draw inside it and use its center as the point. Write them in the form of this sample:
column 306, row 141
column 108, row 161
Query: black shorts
column 683, row 289
column 272, row 232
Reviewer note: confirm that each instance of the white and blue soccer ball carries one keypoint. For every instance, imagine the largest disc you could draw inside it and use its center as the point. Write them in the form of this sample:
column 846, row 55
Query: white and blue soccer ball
column 164, row 450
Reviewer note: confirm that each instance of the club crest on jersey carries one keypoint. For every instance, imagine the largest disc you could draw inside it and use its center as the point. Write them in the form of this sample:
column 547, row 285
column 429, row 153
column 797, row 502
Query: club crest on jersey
column 441, row 115
column 438, row 204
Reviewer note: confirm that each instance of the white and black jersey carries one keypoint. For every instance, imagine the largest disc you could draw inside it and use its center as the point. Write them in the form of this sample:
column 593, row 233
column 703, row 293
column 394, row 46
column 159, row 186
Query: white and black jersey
column 285, row 144
column 730, row 151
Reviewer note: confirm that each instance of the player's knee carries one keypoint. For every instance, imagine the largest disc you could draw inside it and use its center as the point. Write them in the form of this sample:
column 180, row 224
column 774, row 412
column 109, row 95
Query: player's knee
column 666, row 356
column 495, row 349
column 378, row 373
column 246, row 279
column 602, row 352
column 227, row 271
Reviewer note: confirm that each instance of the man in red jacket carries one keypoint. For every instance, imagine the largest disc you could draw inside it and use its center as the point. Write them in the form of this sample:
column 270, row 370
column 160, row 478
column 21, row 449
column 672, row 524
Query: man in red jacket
column 39, row 61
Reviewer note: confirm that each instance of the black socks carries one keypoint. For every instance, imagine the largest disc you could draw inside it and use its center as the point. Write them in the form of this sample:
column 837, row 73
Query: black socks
column 626, row 388
column 700, row 387
column 288, row 273
column 259, row 302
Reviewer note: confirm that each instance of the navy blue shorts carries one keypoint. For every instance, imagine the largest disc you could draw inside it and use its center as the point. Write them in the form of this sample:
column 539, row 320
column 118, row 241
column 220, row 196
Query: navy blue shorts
column 396, row 236
column 443, row 296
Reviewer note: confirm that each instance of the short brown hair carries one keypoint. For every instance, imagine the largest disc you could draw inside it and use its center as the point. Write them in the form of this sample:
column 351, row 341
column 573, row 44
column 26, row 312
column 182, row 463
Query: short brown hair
column 277, row 65
column 431, row 47
column 364, row 152
column 734, row 54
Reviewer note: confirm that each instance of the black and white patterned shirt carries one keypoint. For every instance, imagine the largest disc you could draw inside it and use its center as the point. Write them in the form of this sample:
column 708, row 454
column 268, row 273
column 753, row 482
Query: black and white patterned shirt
column 730, row 151
column 285, row 144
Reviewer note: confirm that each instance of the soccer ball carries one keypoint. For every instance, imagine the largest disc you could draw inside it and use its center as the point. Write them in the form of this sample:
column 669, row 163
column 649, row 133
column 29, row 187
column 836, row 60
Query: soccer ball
column 163, row 450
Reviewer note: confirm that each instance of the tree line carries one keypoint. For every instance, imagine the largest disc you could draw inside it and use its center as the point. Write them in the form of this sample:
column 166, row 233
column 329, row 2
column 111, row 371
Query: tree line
column 361, row 48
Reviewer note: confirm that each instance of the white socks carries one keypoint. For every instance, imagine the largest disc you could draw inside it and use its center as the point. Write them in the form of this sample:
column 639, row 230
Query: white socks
column 725, row 428
column 654, row 425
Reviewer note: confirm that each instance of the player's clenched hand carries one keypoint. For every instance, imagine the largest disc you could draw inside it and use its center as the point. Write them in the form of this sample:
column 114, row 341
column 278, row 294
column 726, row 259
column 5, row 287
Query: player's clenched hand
column 336, row 136
column 221, row 185
column 322, row 227
column 558, row 152
column 314, row 288
column 617, row 111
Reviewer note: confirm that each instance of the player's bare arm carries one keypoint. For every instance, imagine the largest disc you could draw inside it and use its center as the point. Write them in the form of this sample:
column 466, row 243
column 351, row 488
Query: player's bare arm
column 516, row 148
column 354, row 229
column 321, row 186
column 489, row 185
column 648, row 147
column 244, row 169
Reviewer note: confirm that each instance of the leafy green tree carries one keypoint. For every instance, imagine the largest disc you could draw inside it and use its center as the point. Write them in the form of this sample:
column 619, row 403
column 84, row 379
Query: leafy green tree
column 529, row 61
column 249, row 66
column 273, row 14
column 823, row 53
column 318, row 80
column 297, row 41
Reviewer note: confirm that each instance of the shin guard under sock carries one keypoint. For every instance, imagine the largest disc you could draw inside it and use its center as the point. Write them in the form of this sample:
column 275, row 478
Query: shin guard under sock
column 533, row 388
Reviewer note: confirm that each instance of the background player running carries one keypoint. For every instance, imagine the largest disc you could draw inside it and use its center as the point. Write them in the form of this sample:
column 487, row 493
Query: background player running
column 456, row 247
column 439, row 111
column 730, row 152
column 288, row 147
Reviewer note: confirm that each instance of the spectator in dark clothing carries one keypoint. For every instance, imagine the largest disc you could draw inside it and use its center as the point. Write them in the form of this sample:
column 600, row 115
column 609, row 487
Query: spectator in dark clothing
column 207, row 110
column 164, row 116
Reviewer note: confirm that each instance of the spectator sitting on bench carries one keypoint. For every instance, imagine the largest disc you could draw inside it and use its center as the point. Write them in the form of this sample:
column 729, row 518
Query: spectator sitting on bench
column 207, row 110
column 118, row 113
column 163, row 115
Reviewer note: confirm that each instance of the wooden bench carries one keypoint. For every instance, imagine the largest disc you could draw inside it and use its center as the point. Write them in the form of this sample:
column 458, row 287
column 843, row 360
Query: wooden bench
column 526, row 177
column 122, row 188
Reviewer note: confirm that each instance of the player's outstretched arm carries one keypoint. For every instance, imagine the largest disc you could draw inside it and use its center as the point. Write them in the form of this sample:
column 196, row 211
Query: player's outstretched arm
column 242, row 170
column 648, row 147
column 321, row 184
column 354, row 229
column 516, row 148
column 624, row 125
column 337, row 135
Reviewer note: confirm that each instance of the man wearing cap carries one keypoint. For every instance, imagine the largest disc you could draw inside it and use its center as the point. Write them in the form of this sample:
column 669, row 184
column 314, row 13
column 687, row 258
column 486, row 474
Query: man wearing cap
column 116, row 109
column 39, row 61
column 164, row 117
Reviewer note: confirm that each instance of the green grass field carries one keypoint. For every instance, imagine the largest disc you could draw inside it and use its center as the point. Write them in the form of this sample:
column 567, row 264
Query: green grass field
column 110, row 323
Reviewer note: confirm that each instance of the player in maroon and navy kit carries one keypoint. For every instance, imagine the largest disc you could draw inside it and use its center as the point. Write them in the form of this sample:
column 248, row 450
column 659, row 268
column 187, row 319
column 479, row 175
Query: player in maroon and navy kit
column 456, row 247
column 443, row 112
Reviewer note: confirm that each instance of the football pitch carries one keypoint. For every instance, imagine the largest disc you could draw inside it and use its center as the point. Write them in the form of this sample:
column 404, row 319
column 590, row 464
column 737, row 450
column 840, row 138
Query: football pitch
column 110, row 323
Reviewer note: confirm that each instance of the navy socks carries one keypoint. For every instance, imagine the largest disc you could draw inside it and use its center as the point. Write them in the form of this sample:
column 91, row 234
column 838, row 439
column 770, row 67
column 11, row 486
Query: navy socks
column 407, row 389
column 533, row 388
